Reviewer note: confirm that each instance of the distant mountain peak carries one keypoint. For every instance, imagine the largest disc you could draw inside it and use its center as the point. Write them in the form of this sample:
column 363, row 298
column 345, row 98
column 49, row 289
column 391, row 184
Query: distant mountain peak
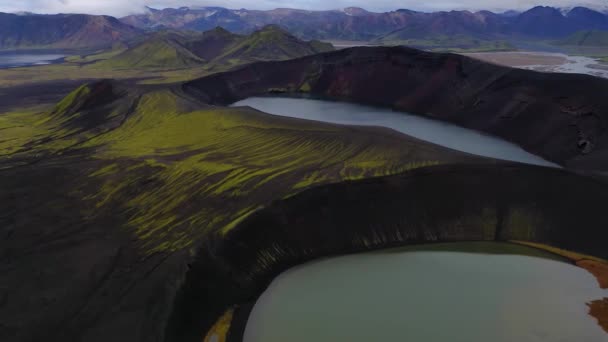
column 151, row 9
column 272, row 27
column 592, row 7
column 24, row 13
column 510, row 13
column 355, row 11
column 406, row 11
column 355, row 23
column 583, row 10
column 544, row 10
column 63, row 31
column 219, row 29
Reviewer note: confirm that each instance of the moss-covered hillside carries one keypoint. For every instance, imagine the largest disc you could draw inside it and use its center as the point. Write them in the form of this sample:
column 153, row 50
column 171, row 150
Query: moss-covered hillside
column 274, row 43
column 212, row 49
column 108, row 196
column 166, row 57
column 155, row 213
column 589, row 38
column 162, row 51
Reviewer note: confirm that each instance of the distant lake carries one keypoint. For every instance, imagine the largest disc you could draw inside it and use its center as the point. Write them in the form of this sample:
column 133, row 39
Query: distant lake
column 22, row 59
column 469, row 292
column 434, row 131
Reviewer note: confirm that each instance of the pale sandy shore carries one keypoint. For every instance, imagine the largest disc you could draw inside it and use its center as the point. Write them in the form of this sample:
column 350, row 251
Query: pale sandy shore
column 518, row 59
column 545, row 62
column 345, row 44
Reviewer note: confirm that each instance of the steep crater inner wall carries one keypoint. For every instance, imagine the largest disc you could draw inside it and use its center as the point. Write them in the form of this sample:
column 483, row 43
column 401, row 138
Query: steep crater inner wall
column 435, row 204
column 561, row 117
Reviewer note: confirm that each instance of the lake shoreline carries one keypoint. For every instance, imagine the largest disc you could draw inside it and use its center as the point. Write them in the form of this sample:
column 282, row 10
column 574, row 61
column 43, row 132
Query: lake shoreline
column 428, row 130
column 599, row 310
column 23, row 59
column 467, row 249
column 257, row 226
column 240, row 314
column 597, row 267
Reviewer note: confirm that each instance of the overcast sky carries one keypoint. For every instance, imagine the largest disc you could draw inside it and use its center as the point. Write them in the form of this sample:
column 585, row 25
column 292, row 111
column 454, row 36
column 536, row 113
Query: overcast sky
column 124, row 7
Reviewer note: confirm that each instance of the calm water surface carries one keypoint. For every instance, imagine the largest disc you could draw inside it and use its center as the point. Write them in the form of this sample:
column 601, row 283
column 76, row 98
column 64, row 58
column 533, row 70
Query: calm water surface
column 434, row 131
column 13, row 59
column 435, row 295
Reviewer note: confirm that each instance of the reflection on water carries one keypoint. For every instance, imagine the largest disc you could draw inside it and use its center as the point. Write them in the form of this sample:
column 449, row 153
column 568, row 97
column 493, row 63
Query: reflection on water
column 430, row 296
column 434, row 131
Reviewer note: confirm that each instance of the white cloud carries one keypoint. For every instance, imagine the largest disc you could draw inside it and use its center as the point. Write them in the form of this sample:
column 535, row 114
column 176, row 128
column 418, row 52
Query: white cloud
column 124, row 7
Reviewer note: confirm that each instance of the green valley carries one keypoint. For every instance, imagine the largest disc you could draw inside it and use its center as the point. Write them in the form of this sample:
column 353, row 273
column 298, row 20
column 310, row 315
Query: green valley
column 170, row 56
column 157, row 179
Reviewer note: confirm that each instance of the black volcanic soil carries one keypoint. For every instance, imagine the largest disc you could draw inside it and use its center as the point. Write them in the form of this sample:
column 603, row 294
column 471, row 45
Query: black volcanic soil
column 13, row 98
column 562, row 117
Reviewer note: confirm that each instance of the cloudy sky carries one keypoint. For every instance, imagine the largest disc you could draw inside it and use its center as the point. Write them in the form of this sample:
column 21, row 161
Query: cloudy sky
column 123, row 7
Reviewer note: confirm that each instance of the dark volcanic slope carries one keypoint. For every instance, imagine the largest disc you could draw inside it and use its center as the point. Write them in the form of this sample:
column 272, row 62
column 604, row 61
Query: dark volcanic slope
column 562, row 117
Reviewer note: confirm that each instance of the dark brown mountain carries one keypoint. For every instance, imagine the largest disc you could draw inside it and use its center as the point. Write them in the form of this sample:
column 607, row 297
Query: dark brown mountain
column 63, row 31
column 202, row 19
column 542, row 22
column 219, row 17
column 451, row 24
column 587, row 19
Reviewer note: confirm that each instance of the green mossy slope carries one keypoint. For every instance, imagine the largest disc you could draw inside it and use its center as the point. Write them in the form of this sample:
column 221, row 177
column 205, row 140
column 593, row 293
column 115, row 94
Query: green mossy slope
column 118, row 191
column 169, row 50
column 237, row 159
column 272, row 42
column 115, row 197
column 590, row 38
column 161, row 52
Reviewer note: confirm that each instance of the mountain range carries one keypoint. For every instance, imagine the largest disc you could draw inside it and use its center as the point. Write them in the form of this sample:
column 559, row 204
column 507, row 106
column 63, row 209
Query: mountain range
column 358, row 24
column 62, row 31
column 214, row 48
column 461, row 28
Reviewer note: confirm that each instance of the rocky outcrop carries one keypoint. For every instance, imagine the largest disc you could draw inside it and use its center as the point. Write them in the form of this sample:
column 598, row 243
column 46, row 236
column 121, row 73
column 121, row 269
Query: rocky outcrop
column 562, row 117
column 599, row 310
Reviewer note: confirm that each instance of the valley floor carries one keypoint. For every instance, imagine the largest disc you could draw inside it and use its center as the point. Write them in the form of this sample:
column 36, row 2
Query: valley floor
column 545, row 62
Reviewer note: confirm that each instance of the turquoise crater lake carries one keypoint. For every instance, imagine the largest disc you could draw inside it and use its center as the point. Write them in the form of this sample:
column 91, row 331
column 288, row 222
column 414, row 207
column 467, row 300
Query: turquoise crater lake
column 464, row 292
column 434, row 131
